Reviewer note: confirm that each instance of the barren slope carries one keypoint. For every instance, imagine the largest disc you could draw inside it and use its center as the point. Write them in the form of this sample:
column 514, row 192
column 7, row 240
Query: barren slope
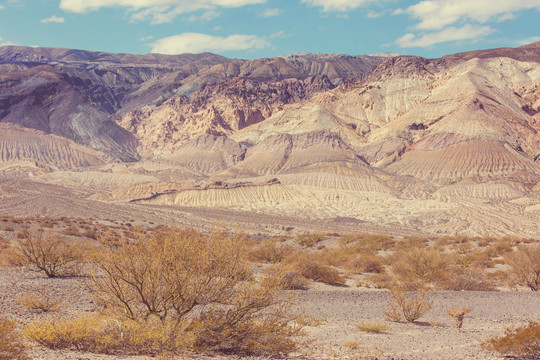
column 446, row 145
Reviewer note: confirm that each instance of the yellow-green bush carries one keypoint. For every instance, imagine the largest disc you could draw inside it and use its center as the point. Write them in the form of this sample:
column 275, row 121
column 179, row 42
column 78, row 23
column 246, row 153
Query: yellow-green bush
column 199, row 282
column 419, row 265
column 11, row 345
column 100, row 334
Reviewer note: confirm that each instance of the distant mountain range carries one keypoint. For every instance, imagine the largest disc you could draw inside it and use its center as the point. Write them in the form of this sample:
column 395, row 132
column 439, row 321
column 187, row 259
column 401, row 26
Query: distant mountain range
column 444, row 146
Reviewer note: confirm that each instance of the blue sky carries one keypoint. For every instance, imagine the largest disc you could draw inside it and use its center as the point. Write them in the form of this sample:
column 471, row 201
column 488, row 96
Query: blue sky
column 267, row 28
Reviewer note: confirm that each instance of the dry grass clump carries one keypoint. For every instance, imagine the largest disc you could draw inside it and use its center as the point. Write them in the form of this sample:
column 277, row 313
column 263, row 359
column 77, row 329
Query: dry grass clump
column 291, row 277
column 312, row 268
column 367, row 243
column 500, row 247
column 478, row 259
column 100, row 334
column 521, row 342
column 408, row 305
column 357, row 351
column 41, row 300
column 373, row 326
column 270, row 251
column 309, row 239
column 373, row 264
column 465, row 279
column 49, row 253
column 459, row 315
column 11, row 345
column 178, row 290
column 413, row 242
column 419, row 265
column 525, row 263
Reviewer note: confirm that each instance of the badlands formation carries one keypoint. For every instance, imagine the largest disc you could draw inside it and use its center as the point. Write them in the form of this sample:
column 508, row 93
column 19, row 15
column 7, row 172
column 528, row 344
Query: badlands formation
column 307, row 141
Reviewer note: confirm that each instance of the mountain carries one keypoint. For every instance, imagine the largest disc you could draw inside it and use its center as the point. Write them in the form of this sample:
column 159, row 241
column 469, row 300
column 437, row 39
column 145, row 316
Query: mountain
column 442, row 146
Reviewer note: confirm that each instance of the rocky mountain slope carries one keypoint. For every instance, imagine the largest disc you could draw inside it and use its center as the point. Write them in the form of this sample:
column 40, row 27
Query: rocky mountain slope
column 447, row 145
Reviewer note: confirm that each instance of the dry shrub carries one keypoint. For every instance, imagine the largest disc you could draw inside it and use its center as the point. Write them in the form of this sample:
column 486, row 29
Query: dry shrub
column 90, row 233
column 336, row 256
column 408, row 305
column 200, row 283
column 269, row 252
column 40, row 299
column 459, row 315
column 71, row 230
column 525, row 263
column 484, row 242
column 376, row 327
column 97, row 334
column 309, row 239
column 475, row 259
column 11, row 345
column 313, row 269
column 8, row 256
column 49, row 253
column 367, row 243
column 460, row 279
column 419, row 265
column 291, row 277
column 522, row 342
column 500, row 247
column 366, row 264
column 413, row 242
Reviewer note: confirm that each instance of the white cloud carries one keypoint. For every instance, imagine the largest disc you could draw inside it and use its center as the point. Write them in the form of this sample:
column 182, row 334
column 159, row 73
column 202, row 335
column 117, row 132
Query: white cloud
column 437, row 14
column 279, row 34
column 158, row 11
column 205, row 16
column 337, row 5
column 197, row 43
column 466, row 32
column 505, row 17
column 53, row 19
column 4, row 42
column 528, row 40
column 373, row 14
column 271, row 12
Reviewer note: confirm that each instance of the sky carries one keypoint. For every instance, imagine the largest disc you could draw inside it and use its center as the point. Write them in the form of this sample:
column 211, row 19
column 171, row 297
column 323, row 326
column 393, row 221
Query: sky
column 249, row 29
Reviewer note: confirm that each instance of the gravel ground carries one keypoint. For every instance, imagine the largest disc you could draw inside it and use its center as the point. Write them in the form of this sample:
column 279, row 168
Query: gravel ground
column 433, row 337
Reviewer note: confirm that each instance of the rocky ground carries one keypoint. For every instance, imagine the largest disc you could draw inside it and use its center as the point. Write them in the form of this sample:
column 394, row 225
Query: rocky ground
column 338, row 309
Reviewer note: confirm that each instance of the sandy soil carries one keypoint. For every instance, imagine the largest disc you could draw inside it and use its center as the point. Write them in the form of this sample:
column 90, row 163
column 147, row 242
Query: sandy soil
column 25, row 198
column 433, row 337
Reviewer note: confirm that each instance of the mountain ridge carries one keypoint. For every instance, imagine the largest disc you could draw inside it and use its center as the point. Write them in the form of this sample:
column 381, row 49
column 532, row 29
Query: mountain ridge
column 443, row 146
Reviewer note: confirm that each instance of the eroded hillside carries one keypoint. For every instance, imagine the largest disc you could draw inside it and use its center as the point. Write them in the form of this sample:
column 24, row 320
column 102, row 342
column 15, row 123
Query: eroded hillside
column 446, row 145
